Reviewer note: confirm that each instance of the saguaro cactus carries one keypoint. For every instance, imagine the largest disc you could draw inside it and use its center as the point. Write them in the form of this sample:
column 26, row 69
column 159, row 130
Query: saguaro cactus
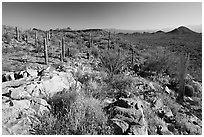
column 17, row 34
column 63, row 50
column 109, row 40
column 118, row 51
column 26, row 37
column 47, row 38
column 182, row 75
column 132, row 57
column 61, row 56
column 90, row 40
column 45, row 51
column 48, row 35
column 36, row 39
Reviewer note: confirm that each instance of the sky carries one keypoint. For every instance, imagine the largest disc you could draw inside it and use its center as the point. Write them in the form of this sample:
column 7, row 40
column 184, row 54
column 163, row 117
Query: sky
column 120, row 15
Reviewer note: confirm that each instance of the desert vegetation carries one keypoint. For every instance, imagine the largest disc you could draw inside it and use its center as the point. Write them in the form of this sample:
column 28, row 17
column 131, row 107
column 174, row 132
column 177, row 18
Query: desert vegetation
column 93, row 82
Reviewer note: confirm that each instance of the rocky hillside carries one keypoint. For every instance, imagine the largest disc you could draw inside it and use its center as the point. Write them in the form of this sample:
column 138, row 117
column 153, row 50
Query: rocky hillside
column 103, row 86
column 181, row 40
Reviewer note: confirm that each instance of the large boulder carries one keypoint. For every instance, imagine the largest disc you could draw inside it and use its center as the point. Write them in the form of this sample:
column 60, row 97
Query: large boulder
column 19, row 93
column 18, row 115
column 127, row 116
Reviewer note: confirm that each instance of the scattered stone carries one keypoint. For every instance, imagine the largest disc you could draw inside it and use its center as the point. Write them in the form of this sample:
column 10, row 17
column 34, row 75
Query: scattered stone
column 167, row 90
column 157, row 104
column 121, row 126
column 19, row 93
column 197, row 86
column 31, row 72
column 189, row 90
column 8, row 76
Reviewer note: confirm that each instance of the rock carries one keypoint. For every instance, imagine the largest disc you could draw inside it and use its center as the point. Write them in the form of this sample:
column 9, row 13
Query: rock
column 19, row 93
column 12, row 109
column 30, row 88
column 54, row 85
column 67, row 78
column 128, row 115
column 196, row 121
column 167, row 90
column 40, row 106
column 163, row 131
column 19, row 126
column 8, row 76
column 189, row 90
column 37, row 90
column 31, row 72
column 24, row 74
column 171, row 127
column 121, row 126
column 154, row 86
column 138, row 130
column 157, row 104
column 168, row 115
column 18, row 115
column 197, row 86
column 5, row 99
column 19, row 74
column 5, row 131
column 167, row 111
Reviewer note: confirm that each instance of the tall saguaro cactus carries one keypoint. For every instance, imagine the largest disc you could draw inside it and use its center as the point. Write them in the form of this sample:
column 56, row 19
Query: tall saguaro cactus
column 36, row 39
column 182, row 75
column 26, row 37
column 90, row 40
column 132, row 57
column 109, row 40
column 63, row 50
column 45, row 51
column 47, row 37
column 17, row 34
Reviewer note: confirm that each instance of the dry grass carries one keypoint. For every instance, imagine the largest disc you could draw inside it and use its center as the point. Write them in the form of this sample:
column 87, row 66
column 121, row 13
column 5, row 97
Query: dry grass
column 78, row 115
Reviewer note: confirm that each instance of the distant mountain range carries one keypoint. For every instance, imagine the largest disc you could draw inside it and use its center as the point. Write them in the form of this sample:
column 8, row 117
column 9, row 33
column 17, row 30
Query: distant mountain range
column 193, row 28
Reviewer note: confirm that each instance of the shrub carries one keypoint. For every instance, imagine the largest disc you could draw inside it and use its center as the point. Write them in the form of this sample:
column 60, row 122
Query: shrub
column 94, row 52
column 6, row 38
column 112, row 62
column 153, row 120
column 83, row 116
column 119, row 86
column 72, row 52
column 162, row 61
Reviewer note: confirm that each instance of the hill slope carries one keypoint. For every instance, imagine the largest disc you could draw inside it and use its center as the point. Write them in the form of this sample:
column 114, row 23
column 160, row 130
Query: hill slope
column 181, row 30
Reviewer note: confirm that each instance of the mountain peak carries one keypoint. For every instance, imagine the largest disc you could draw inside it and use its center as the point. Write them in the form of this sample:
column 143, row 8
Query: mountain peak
column 182, row 30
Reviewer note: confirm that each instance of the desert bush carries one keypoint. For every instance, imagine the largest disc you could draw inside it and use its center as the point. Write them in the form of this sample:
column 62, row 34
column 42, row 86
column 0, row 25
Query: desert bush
column 118, row 86
column 61, row 102
column 84, row 116
column 94, row 52
column 6, row 38
column 161, row 60
column 112, row 62
column 153, row 120
column 72, row 52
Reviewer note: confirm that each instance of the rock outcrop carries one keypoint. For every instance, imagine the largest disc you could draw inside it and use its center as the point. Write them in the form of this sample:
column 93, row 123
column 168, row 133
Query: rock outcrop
column 127, row 116
column 25, row 100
